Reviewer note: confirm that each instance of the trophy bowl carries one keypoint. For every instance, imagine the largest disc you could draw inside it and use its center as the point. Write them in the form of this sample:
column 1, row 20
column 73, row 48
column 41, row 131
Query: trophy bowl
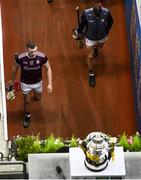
column 98, row 151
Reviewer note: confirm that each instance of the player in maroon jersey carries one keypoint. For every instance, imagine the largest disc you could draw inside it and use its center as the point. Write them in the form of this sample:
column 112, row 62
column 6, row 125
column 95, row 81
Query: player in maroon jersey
column 31, row 63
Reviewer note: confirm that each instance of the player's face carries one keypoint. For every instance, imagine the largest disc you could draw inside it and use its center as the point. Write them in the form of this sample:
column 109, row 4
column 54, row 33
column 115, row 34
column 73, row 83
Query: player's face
column 32, row 52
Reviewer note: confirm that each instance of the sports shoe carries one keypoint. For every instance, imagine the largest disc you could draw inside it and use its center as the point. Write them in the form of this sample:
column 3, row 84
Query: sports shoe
column 95, row 52
column 26, row 120
column 91, row 79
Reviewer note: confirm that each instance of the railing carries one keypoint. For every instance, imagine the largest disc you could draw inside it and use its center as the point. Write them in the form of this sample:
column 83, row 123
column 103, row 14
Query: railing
column 14, row 171
column 3, row 101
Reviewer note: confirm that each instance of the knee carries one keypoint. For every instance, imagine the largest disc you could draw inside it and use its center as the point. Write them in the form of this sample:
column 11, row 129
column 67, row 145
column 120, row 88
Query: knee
column 100, row 45
column 26, row 99
column 38, row 98
column 90, row 56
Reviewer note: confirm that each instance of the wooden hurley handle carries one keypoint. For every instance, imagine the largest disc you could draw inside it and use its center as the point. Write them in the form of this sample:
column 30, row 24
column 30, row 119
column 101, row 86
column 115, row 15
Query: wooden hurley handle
column 78, row 18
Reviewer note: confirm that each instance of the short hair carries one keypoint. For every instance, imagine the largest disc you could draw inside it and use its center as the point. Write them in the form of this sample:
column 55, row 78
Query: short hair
column 31, row 44
column 97, row 11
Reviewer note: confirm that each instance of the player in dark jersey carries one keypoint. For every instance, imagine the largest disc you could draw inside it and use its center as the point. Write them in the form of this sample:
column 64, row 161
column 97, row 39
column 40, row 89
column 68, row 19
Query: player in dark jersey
column 31, row 63
column 95, row 24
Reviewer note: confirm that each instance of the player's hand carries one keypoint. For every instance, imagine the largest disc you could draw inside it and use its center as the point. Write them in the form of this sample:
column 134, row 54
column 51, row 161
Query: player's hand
column 11, row 95
column 75, row 35
column 49, row 88
column 10, row 83
column 9, row 86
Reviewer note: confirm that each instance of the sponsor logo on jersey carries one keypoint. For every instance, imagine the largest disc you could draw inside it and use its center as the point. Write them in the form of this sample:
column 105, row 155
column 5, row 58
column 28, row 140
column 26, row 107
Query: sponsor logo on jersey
column 37, row 62
column 25, row 62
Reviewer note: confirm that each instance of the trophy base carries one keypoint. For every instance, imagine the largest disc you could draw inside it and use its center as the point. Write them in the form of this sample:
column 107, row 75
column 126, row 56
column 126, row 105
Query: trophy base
column 97, row 168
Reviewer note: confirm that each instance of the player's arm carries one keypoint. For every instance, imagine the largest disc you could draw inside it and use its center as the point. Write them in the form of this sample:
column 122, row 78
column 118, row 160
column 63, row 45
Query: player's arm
column 49, row 76
column 83, row 23
column 15, row 68
column 109, row 22
column 79, row 30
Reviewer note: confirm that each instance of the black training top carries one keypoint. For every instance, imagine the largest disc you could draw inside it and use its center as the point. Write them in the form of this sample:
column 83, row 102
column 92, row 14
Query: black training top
column 96, row 28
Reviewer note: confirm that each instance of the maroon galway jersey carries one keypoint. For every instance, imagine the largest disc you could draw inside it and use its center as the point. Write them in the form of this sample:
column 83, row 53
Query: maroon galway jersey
column 31, row 68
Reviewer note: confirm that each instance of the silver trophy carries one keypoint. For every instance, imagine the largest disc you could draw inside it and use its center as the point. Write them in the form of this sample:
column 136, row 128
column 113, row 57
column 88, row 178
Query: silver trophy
column 99, row 149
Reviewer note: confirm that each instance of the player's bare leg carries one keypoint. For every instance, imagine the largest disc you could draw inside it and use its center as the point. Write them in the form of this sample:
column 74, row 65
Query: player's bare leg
column 95, row 49
column 37, row 96
column 27, row 114
column 100, row 45
column 90, row 62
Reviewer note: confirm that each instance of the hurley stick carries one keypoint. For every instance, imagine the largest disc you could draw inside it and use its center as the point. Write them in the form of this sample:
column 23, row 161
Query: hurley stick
column 80, row 42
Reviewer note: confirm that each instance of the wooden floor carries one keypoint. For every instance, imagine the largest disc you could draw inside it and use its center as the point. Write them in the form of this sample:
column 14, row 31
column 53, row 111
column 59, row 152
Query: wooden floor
column 73, row 107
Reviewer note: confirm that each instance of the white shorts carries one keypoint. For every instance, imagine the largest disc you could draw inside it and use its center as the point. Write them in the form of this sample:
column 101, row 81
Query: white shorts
column 93, row 43
column 26, row 88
